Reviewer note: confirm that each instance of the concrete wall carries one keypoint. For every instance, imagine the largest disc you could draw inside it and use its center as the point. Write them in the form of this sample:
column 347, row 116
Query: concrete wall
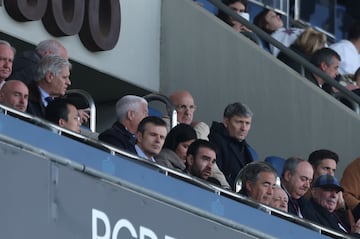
column 134, row 59
column 219, row 66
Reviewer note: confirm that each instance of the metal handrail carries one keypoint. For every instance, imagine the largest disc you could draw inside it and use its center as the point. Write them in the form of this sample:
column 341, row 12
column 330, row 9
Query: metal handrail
column 169, row 106
column 162, row 169
column 301, row 60
column 91, row 104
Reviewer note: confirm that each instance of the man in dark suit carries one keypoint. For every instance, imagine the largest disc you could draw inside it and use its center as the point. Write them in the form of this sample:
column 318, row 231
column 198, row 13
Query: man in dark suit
column 324, row 196
column 130, row 110
column 52, row 80
column 296, row 179
column 26, row 63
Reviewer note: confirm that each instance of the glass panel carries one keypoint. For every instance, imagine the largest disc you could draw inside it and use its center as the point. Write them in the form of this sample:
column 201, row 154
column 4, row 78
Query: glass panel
column 319, row 13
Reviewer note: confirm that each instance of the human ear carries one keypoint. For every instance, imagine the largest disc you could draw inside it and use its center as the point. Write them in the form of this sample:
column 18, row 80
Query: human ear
column 287, row 176
column 189, row 160
column 248, row 186
column 49, row 77
column 61, row 122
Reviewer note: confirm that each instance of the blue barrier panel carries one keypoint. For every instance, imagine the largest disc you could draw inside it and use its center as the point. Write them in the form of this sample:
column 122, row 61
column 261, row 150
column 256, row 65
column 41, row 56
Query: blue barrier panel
column 131, row 171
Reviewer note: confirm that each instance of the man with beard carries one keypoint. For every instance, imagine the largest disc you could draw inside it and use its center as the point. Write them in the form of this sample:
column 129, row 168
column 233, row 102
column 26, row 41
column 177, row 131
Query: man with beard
column 200, row 159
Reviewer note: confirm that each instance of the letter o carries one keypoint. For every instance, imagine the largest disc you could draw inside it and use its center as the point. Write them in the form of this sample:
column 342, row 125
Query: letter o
column 101, row 28
column 25, row 10
column 64, row 17
column 123, row 223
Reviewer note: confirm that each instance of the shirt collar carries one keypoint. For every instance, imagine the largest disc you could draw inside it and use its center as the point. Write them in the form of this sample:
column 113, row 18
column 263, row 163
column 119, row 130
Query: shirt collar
column 43, row 94
column 140, row 153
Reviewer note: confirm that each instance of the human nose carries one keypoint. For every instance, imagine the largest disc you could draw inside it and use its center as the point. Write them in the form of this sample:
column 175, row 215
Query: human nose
column 6, row 64
column 333, row 194
column 242, row 126
column 209, row 166
column 158, row 138
column 22, row 100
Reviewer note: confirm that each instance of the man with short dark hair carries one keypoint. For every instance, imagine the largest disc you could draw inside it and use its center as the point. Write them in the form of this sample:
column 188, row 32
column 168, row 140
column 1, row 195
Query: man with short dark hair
column 328, row 61
column 323, row 161
column 64, row 113
column 185, row 107
column 150, row 136
column 200, row 158
column 233, row 152
column 258, row 180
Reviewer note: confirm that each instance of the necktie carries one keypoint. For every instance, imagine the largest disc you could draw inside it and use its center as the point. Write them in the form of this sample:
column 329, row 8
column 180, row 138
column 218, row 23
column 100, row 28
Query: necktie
column 49, row 99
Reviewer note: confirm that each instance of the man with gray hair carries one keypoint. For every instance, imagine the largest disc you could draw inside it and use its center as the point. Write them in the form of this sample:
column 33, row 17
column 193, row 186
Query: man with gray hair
column 130, row 110
column 52, row 80
column 296, row 179
column 25, row 64
column 258, row 180
column 7, row 53
column 328, row 61
column 233, row 152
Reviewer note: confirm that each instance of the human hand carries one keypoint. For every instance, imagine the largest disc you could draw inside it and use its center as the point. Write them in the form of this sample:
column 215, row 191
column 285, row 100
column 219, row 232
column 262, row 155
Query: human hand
column 84, row 115
column 356, row 227
column 341, row 201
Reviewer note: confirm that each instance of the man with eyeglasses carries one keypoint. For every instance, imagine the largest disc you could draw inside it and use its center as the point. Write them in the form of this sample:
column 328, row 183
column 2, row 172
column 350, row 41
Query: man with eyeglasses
column 63, row 112
column 296, row 179
column 185, row 107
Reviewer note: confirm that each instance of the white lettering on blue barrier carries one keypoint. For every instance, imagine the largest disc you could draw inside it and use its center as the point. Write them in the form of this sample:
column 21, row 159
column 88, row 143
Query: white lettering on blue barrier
column 100, row 218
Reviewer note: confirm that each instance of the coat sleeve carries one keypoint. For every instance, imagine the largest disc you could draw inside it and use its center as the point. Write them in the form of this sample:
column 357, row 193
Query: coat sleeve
column 351, row 184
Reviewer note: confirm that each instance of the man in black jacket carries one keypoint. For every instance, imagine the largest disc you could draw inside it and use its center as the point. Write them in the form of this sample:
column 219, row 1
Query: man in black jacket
column 324, row 197
column 233, row 152
column 130, row 110
column 26, row 63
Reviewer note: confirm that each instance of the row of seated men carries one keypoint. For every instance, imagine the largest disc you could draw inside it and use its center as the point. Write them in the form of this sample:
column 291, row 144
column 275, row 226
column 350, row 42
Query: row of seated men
column 340, row 61
column 218, row 154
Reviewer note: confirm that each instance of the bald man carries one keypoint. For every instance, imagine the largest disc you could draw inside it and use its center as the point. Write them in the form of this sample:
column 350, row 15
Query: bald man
column 185, row 107
column 14, row 94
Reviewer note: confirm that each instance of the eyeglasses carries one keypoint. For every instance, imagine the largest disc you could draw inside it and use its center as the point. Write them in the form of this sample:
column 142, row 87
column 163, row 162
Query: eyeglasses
column 186, row 107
